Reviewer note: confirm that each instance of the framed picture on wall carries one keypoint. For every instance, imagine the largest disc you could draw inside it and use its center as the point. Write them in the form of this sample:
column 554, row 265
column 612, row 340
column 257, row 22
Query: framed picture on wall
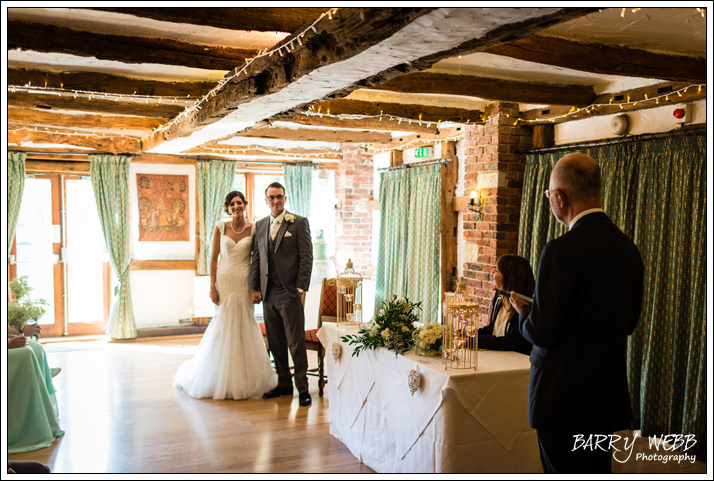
column 163, row 207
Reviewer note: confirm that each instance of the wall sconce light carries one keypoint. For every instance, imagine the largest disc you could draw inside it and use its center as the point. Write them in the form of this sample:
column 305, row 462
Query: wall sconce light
column 474, row 202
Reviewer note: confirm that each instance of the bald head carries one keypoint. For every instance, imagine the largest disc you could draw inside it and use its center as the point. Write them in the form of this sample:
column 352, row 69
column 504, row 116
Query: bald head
column 579, row 175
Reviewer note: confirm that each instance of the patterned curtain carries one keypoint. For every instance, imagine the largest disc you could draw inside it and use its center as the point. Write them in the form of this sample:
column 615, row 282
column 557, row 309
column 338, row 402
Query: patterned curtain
column 214, row 182
column 110, row 182
column 15, row 187
column 655, row 192
column 298, row 187
column 409, row 262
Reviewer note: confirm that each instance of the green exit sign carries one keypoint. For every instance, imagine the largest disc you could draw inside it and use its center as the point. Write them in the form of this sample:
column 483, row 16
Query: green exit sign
column 423, row 152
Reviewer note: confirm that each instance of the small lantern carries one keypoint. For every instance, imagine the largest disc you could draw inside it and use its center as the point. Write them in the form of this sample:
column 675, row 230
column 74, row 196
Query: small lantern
column 349, row 297
column 460, row 341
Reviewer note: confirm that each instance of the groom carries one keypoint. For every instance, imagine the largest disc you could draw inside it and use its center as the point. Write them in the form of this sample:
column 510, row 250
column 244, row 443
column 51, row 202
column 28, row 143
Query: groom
column 280, row 272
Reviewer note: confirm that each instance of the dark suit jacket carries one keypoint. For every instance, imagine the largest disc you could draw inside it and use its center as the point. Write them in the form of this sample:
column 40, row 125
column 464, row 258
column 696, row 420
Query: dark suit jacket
column 587, row 301
column 293, row 255
column 511, row 340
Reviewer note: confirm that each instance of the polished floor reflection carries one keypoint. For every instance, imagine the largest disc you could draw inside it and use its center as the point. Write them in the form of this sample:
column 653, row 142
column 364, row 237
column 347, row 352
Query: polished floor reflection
column 121, row 414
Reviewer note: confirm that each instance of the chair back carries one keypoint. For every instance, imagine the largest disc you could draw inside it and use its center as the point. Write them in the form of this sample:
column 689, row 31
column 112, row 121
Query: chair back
column 328, row 302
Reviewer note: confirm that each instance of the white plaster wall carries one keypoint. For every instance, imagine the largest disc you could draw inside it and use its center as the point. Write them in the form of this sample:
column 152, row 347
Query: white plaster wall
column 161, row 298
column 641, row 122
column 183, row 250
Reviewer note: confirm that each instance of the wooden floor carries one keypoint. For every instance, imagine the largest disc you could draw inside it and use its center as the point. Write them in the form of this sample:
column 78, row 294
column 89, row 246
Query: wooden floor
column 121, row 414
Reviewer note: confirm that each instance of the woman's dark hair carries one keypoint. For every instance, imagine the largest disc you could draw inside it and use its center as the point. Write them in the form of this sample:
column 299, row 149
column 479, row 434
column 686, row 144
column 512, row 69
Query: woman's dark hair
column 517, row 275
column 231, row 195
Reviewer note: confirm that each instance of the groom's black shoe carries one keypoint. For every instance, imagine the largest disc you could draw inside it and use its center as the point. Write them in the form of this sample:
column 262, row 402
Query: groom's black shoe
column 277, row 392
column 305, row 399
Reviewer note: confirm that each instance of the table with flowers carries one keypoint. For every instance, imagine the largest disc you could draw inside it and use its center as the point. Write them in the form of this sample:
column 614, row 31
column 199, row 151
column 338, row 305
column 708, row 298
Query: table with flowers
column 455, row 421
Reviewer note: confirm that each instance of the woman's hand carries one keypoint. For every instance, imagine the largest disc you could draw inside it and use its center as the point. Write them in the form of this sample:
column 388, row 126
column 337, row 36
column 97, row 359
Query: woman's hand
column 214, row 295
column 32, row 330
column 15, row 342
column 516, row 302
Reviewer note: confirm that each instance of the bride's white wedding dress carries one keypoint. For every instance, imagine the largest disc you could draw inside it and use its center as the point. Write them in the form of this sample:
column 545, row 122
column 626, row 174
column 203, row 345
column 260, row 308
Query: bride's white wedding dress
column 232, row 361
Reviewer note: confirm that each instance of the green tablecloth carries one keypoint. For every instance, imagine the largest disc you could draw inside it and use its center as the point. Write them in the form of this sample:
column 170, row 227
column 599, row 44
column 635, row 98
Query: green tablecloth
column 31, row 418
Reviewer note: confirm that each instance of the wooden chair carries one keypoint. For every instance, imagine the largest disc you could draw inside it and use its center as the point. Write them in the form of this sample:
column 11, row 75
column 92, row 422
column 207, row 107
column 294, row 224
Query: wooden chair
column 327, row 312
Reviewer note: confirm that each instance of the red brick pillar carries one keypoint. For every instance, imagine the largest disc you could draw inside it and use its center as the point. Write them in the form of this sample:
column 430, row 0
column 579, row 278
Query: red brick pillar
column 354, row 182
column 493, row 166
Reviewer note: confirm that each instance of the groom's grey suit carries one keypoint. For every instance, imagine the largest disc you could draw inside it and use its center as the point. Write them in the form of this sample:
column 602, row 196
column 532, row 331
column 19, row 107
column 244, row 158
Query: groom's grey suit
column 278, row 269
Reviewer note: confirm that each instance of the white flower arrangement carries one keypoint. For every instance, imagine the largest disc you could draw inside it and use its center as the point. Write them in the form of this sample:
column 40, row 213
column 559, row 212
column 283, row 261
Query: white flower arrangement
column 427, row 340
column 289, row 217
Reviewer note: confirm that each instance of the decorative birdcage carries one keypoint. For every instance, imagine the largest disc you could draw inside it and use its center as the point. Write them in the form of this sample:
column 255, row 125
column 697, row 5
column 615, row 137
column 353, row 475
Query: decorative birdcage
column 460, row 341
column 349, row 297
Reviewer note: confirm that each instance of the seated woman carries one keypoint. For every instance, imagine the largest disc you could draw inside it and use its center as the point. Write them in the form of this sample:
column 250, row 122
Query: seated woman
column 513, row 273
column 32, row 330
column 31, row 419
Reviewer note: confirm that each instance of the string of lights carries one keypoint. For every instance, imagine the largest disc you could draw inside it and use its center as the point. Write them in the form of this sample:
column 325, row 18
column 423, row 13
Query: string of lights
column 275, row 152
column 425, row 141
column 70, row 134
column 288, row 46
column 382, row 115
column 90, row 95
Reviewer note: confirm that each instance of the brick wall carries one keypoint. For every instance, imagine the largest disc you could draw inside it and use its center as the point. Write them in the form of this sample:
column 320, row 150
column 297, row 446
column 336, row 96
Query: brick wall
column 492, row 164
column 354, row 183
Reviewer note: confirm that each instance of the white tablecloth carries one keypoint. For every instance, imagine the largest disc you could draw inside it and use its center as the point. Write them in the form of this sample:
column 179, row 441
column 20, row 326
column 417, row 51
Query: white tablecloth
column 457, row 421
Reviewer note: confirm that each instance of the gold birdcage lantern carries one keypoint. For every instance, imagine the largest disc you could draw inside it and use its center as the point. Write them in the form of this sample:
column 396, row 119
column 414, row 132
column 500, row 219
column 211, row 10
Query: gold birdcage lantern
column 349, row 297
column 460, row 341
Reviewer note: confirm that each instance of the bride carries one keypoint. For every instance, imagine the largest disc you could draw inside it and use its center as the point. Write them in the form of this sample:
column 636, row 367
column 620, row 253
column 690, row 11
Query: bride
column 232, row 361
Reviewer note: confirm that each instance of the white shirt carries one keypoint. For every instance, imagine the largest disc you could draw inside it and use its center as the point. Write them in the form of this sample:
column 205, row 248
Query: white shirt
column 583, row 214
column 499, row 325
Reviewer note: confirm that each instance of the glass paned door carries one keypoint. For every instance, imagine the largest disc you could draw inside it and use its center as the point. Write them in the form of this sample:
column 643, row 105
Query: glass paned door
column 85, row 260
column 34, row 251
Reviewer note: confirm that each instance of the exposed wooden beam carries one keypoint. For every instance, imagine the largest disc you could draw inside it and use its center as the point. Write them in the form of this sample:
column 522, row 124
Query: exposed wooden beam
column 449, row 218
column 168, row 265
column 49, row 167
column 554, row 113
column 260, row 19
column 397, row 142
column 316, row 135
column 358, row 124
column 213, row 148
column 114, row 145
column 604, row 59
column 428, row 114
column 123, row 107
column 490, row 88
column 340, row 59
column 68, row 121
column 50, row 38
column 102, row 82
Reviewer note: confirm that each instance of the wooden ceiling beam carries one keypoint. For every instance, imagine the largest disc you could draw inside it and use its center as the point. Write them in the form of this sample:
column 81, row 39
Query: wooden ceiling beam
column 102, row 82
column 556, row 114
column 115, row 145
column 255, row 19
column 213, row 148
column 490, row 88
column 53, row 39
column 604, row 59
column 53, row 119
column 26, row 100
column 315, row 135
column 429, row 114
column 357, row 124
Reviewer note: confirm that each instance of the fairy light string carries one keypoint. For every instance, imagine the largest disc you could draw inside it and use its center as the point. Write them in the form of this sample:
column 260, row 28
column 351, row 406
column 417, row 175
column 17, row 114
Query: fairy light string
column 288, row 46
column 92, row 95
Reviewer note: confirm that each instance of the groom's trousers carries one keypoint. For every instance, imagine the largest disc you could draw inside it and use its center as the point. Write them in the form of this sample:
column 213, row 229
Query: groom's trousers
column 285, row 326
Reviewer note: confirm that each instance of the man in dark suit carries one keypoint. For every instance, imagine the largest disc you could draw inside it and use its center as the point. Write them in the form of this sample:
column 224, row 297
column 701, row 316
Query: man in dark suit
column 587, row 302
column 280, row 272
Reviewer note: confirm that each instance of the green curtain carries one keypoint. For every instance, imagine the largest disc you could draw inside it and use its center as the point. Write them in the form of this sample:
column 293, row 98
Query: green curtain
column 214, row 182
column 409, row 259
column 298, row 187
column 655, row 191
column 15, row 187
column 110, row 182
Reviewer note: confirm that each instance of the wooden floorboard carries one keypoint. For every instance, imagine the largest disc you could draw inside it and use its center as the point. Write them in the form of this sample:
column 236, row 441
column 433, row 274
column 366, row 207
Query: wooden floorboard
column 121, row 414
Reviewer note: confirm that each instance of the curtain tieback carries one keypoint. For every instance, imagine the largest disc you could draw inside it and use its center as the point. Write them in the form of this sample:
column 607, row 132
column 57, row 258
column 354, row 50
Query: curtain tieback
column 120, row 284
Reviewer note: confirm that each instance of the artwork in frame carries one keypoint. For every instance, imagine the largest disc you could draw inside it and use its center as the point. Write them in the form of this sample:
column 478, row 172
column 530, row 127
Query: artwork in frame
column 163, row 207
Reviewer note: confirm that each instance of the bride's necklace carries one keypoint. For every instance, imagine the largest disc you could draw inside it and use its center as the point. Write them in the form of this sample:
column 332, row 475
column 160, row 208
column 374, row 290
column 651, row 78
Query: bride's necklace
column 234, row 231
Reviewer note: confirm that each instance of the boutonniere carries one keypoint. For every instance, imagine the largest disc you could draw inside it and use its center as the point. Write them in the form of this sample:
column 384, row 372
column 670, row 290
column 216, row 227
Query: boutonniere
column 289, row 217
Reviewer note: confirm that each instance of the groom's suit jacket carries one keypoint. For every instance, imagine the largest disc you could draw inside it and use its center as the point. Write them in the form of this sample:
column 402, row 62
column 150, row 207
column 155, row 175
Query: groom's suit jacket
column 587, row 301
column 292, row 255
